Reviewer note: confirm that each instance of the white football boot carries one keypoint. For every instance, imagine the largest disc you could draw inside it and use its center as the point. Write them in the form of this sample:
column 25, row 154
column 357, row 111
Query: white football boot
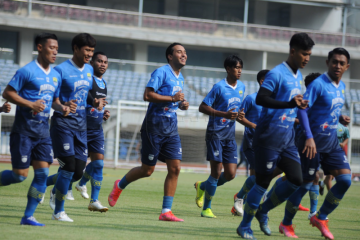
column 238, row 205
column 97, row 207
column 69, row 195
column 52, row 200
column 62, row 217
column 82, row 190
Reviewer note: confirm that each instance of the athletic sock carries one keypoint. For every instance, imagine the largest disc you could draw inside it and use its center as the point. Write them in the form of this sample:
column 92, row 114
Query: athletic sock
column 96, row 179
column 248, row 184
column 314, row 197
column 36, row 191
column 292, row 205
column 61, row 188
column 70, row 185
column 167, row 204
column 123, row 183
column 252, row 204
column 51, row 180
column 210, row 189
column 203, row 185
column 87, row 174
column 222, row 180
column 280, row 194
column 334, row 196
column 8, row 177
column 277, row 182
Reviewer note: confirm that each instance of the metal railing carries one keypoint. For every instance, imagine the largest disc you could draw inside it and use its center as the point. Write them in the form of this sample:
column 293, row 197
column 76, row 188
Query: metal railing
column 156, row 22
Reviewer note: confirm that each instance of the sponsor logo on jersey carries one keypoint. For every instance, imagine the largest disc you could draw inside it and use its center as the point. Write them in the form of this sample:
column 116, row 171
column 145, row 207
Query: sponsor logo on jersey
column 311, row 171
column 66, row 146
column 80, row 84
column 283, row 117
column 223, row 120
column 324, row 126
column 46, row 87
column 92, row 110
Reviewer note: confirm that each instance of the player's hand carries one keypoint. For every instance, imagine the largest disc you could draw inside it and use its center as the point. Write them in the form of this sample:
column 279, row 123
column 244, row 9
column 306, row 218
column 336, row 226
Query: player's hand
column 100, row 103
column 38, row 106
column 72, row 104
column 300, row 102
column 106, row 115
column 231, row 115
column 346, row 118
column 241, row 115
column 341, row 145
column 184, row 105
column 65, row 110
column 6, row 107
column 179, row 96
column 310, row 148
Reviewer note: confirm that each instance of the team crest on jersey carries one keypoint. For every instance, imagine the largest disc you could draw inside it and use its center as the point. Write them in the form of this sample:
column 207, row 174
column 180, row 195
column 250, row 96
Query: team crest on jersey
column 283, row 117
column 240, row 92
column 269, row 165
column 223, row 120
column 311, row 171
column 324, row 126
column 89, row 76
column 343, row 91
column 24, row 158
column 66, row 146
column 55, row 80
column 151, row 157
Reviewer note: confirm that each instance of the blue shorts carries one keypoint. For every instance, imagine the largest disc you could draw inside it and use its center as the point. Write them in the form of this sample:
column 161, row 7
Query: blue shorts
column 250, row 156
column 68, row 142
column 266, row 160
column 24, row 149
column 95, row 141
column 156, row 147
column 334, row 160
column 224, row 151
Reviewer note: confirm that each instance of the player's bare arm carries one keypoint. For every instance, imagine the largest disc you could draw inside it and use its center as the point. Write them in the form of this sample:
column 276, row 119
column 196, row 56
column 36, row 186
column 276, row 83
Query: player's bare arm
column 57, row 106
column 100, row 103
column 72, row 105
column 247, row 123
column 151, row 96
column 203, row 108
column 12, row 96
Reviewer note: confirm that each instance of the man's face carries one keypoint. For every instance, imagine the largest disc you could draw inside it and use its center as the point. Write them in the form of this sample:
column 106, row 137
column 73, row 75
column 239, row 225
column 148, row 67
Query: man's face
column 178, row 57
column 49, row 50
column 84, row 54
column 337, row 65
column 301, row 57
column 234, row 72
column 100, row 64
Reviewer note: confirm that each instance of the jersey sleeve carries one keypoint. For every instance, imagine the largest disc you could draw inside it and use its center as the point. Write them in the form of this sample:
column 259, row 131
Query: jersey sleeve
column 313, row 91
column 346, row 133
column 246, row 104
column 271, row 82
column 19, row 80
column 59, row 70
column 211, row 96
column 156, row 80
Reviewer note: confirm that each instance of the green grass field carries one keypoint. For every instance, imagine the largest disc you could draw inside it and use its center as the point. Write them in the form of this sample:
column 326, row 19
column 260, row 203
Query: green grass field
column 136, row 214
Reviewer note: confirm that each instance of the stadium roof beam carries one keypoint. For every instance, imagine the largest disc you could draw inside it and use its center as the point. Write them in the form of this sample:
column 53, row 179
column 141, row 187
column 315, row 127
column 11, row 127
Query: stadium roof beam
column 316, row 4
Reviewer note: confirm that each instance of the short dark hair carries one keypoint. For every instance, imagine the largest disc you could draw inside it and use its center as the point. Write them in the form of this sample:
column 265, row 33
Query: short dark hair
column 340, row 51
column 261, row 75
column 83, row 39
column 311, row 77
column 43, row 37
column 301, row 41
column 170, row 49
column 232, row 60
column 96, row 54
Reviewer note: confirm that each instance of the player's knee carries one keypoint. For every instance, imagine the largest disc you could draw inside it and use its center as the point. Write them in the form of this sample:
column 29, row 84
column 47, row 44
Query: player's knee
column 263, row 180
column 175, row 170
column 67, row 163
column 344, row 180
column 147, row 171
column 19, row 178
column 230, row 176
column 98, row 164
column 296, row 180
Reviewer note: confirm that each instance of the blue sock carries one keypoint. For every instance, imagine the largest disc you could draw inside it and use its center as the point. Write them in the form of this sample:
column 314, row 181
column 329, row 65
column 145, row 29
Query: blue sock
column 70, row 185
column 61, row 188
column 167, row 202
column 292, row 205
column 123, row 183
column 314, row 197
column 36, row 191
column 277, row 182
column 51, row 180
column 248, row 184
column 222, row 180
column 96, row 179
column 280, row 194
column 252, row 204
column 202, row 185
column 210, row 189
column 8, row 177
column 335, row 195
column 87, row 174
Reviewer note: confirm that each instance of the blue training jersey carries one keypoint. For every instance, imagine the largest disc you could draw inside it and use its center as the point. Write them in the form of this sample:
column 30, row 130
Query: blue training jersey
column 93, row 115
column 252, row 113
column 161, row 118
column 325, row 102
column 32, row 83
column 75, row 84
column 223, row 97
column 275, row 129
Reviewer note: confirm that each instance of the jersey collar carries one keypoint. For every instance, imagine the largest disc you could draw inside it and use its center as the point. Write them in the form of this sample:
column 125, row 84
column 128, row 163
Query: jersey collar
column 230, row 85
column 292, row 72
column 330, row 80
column 46, row 72
column 172, row 70
column 80, row 69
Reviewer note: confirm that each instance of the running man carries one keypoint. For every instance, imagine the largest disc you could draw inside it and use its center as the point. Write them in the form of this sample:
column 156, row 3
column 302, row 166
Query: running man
column 222, row 104
column 34, row 89
column 159, row 132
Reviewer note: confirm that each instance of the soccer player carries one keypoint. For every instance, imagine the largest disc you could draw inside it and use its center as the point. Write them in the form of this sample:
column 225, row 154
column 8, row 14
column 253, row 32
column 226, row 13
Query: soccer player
column 69, row 133
column 252, row 114
column 159, row 132
column 320, row 144
column 95, row 135
column 273, row 140
column 34, row 89
column 222, row 104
